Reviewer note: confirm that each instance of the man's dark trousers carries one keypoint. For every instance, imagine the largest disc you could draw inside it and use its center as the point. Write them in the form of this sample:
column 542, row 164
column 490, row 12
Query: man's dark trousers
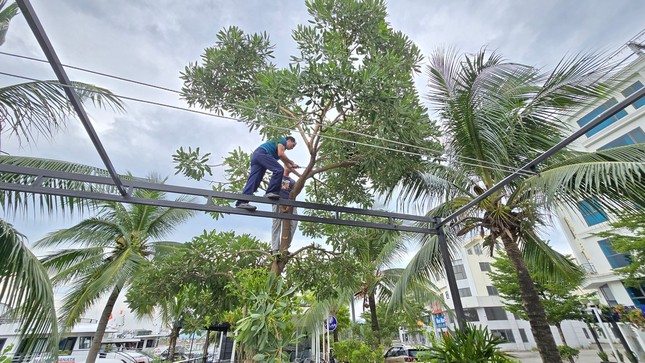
column 261, row 161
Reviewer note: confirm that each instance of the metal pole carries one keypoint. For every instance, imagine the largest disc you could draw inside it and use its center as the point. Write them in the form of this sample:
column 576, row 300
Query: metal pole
column 604, row 329
column 621, row 337
column 559, row 146
column 450, row 275
column 37, row 28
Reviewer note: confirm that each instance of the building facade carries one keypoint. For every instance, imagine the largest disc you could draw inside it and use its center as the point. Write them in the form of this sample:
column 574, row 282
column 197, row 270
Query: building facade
column 483, row 306
column 579, row 226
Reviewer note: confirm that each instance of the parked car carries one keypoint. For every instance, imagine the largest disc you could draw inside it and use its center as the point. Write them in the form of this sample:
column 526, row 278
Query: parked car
column 403, row 353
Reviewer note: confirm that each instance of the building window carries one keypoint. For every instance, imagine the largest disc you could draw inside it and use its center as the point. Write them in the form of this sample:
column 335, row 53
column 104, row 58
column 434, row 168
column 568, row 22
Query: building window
column 492, row 291
column 470, row 251
column 608, row 295
column 84, row 342
column 484, row 266
column 596, row 112
column 616, row 260
column 591, row 212
column 631, row 89
column 447, row 295
column 465, row 292
column 506, row 334
column 478, row 249
column 636, row 136
column 2, row 343
column 495, row 313
column 637, row 294
column 584, row 331
column 525, row 339
column 471, row 315
column 460, row 272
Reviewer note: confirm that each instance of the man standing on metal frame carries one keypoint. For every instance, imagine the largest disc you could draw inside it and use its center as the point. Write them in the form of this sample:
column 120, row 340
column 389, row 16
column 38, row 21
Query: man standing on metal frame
column 264, row 158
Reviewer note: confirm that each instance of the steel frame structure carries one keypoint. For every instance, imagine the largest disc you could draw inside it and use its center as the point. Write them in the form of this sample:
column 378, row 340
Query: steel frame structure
column 114, row 188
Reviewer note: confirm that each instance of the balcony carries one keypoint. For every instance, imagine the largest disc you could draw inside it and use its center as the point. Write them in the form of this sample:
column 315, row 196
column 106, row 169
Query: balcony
column 589, row 268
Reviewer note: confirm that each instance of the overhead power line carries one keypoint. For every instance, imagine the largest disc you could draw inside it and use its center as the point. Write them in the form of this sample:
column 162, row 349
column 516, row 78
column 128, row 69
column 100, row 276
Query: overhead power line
column 475, row 162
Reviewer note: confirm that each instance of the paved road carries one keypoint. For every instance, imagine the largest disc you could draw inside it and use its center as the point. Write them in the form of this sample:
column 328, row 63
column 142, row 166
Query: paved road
column 586, row 356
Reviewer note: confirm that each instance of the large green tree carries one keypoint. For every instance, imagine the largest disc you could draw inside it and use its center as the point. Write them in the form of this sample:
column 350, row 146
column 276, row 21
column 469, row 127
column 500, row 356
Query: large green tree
column 497, row 116
column 201, row 278
column 101, row 255
column 348, row 93
column 559, row 298
column 28, row 110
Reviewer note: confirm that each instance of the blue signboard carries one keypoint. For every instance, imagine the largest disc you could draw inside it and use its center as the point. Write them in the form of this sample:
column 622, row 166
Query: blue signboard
column 333, row 323
column 440, row 321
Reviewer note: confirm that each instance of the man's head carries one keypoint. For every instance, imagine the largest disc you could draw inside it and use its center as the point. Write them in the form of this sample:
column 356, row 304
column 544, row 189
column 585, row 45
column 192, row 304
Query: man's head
column 291, row 142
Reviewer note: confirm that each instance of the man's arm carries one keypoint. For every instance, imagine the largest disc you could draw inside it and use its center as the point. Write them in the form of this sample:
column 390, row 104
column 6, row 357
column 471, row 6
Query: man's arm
column 283, row 156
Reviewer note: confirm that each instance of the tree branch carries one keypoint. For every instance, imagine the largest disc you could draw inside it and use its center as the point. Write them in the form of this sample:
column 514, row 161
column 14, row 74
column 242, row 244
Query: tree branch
column 342, row 164
column 312, row 247
column 298, row 125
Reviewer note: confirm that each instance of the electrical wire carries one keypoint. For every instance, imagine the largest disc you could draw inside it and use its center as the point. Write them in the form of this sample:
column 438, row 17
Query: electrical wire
column 491, row 165
column 159, row 104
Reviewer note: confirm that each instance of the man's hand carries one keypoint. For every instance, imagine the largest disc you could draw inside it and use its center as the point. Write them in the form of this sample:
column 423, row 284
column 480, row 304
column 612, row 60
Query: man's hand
column 294, row 165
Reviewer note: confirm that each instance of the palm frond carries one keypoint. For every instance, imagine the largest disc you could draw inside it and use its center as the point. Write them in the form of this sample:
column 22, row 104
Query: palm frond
column 426, row 261
column 42, row 107
column 116, row 273
column 615, row 178
column 25, row 287
column 17, row 201
column 539, row 256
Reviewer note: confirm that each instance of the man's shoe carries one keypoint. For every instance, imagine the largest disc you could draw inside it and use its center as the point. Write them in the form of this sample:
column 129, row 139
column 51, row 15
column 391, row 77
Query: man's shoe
column 247, row 206
column 273, row 196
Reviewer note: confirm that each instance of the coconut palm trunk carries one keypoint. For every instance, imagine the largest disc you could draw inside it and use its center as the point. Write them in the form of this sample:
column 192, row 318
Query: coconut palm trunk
column 531, row 300
column 100, row 330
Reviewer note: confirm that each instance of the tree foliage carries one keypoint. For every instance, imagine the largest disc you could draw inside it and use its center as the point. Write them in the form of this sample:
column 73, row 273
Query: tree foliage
column 559, row 298
column 348, row 93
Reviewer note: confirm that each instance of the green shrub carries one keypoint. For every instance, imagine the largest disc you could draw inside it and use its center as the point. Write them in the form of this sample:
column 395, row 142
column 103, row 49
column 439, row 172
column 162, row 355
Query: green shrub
column 567, row 352
column 355, row 351
column 471, row 345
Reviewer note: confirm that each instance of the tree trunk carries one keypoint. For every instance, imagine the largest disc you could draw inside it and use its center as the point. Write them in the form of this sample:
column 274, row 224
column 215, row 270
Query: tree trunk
column 205, row 347
column 373, row 317
column 564, row 340
column 172, row 343
column 100, row 329
column 532, row 304
column 280, row 262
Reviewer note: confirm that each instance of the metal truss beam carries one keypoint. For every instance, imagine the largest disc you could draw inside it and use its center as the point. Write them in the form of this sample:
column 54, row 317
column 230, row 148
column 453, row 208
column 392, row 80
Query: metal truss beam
column 102, row 188
column 37, row 28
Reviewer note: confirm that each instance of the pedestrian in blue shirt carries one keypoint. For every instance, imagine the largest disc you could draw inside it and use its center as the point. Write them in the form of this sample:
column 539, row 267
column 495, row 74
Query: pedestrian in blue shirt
column 264, row 158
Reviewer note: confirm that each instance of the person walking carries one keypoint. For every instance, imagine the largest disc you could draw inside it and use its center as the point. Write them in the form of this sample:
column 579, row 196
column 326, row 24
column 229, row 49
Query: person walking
column 264, row 158
column 276, row 231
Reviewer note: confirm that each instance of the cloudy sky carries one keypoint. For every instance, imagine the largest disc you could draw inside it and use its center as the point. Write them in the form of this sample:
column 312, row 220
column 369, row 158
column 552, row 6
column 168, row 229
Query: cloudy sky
column 153, row 40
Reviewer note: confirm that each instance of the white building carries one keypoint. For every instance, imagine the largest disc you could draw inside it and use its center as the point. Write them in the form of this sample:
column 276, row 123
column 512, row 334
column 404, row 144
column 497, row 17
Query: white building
column 483, row 305
column 594, row 253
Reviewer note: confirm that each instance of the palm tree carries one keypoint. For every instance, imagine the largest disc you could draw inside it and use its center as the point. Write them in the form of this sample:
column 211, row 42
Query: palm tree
column 497, row 116
column 100, row 256
column 376, row 251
